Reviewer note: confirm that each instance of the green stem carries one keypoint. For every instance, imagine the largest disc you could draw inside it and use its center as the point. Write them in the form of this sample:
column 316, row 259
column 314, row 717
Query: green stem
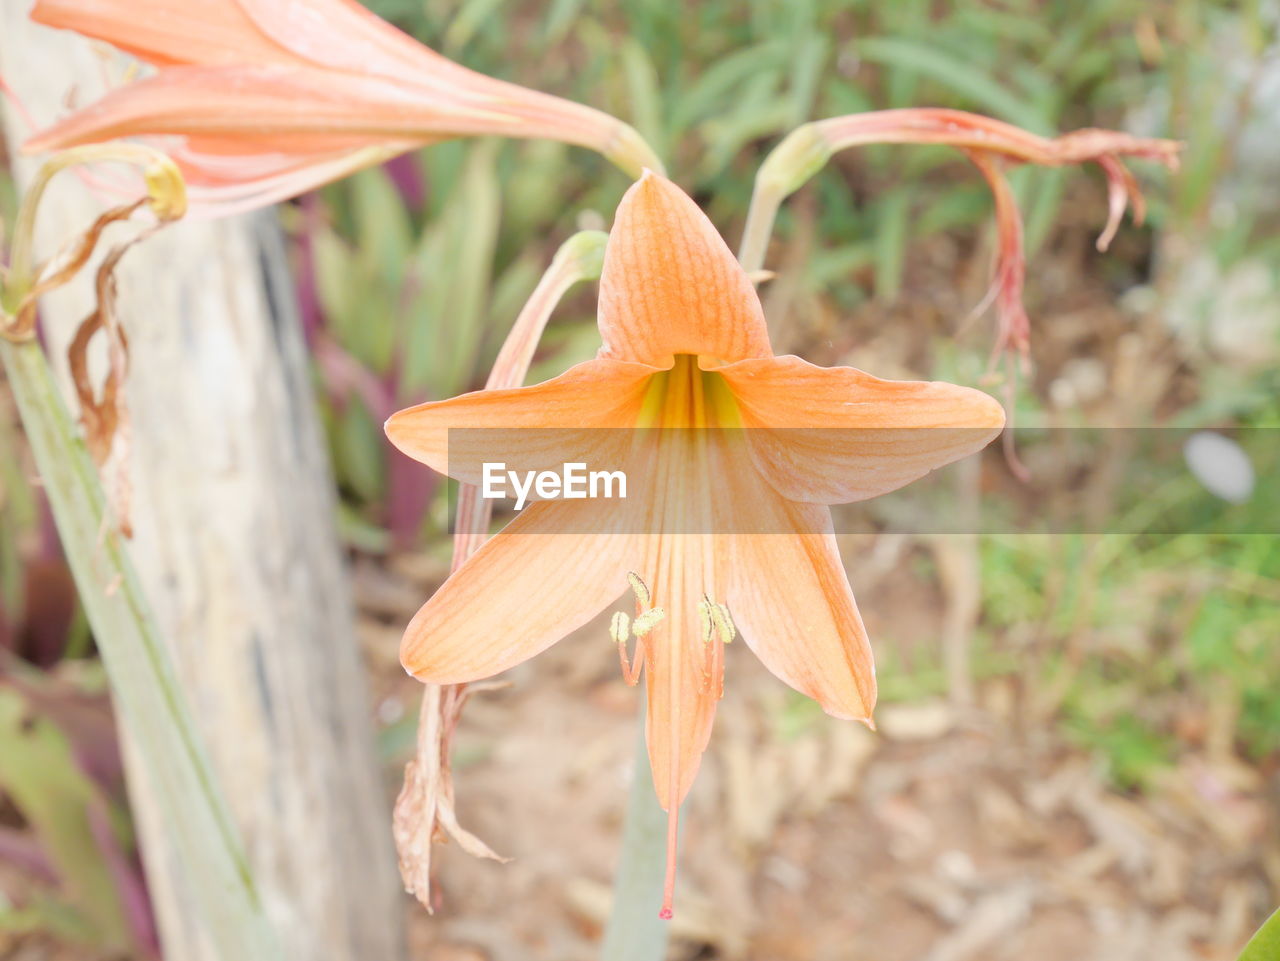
column 765, row 201
column 144, row 687
column 634, row 931
column 800, row 155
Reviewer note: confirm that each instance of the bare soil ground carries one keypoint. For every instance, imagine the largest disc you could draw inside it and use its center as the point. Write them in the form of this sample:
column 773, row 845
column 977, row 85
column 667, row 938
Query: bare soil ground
column 951, row 834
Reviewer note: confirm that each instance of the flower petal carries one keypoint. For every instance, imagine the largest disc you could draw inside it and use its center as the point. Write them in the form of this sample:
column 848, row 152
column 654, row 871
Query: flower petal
column 683, row 673
column 345, row 35
column 790, row 597
column 299, row 107
column 543, row 576
column 220, row 184
column 681, row 698
column 530, row 428
column 841, row 435
column 167, row 31
column 671, row 286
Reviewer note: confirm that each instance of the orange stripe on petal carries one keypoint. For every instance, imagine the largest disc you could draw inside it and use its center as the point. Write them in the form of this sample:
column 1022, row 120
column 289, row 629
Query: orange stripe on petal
column 671, row 286
column 842, row 435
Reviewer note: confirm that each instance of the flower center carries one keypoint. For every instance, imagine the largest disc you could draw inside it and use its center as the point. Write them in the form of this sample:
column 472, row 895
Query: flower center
column 688, row 396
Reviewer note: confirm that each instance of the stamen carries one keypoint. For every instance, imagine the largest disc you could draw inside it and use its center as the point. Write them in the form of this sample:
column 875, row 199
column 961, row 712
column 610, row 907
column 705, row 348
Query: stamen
column 620, row 627
column 641, row 591
column 716, row 624
column 704, row 621
column 647, row 621
column 723, row 622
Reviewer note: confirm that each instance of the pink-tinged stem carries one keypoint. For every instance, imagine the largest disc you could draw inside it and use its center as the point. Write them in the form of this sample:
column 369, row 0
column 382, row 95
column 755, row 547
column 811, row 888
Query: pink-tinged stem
column 1014, row 331
column 577, row 260
column 989, row 144
column 130, row 885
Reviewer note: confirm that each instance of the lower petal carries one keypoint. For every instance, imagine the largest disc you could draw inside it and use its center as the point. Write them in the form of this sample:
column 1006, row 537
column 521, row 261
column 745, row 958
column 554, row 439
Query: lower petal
column 682, row 675
column 542, row 577
column 790, row 597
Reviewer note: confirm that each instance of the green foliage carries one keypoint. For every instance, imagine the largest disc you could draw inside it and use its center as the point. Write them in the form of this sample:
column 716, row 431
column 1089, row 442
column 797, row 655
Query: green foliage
column 1265, row 945
column 1141, row 632
column 40, row 775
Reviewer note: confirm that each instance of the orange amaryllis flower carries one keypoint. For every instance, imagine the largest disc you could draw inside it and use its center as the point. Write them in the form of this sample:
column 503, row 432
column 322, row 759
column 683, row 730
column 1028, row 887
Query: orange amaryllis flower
column 685, row 348
column 259, row 100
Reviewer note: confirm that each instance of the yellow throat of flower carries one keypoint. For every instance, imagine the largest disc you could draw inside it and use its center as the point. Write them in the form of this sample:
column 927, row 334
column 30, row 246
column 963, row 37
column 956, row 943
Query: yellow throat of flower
column 688, row 396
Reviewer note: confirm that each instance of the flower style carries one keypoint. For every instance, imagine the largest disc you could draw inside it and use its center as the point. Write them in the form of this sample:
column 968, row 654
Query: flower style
column 685, row 347
column 258, row 100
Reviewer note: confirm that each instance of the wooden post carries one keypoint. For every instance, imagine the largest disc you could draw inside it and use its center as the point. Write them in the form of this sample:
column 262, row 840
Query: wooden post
column 236, row 546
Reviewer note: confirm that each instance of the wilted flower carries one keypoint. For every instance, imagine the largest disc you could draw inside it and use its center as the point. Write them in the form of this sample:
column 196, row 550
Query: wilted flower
column 991, row 145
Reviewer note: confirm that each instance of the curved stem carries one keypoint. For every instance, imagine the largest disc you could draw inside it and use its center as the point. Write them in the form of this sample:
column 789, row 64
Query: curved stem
column 635, row 932
column 165, row 190
column 765, row 201
column 800, row 155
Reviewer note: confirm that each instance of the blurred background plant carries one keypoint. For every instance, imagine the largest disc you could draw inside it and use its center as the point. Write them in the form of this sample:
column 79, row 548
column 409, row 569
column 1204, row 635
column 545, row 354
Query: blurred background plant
column 1152, row 657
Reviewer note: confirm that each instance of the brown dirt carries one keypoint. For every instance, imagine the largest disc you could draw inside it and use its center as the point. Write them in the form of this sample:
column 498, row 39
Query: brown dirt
column 950, row 835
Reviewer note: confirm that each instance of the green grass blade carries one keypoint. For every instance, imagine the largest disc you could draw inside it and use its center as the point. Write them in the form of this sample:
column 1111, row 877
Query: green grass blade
column 1265, row 945
column 143, row 682
column 961, row 78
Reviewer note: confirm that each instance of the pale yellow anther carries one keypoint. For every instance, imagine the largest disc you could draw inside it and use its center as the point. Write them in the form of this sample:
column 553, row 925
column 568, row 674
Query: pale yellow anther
column 715, row 620
column 620, row 627
column 728, row 630
column 648, row 621
column 640, row 589
column 166, row 190
column 705, row 626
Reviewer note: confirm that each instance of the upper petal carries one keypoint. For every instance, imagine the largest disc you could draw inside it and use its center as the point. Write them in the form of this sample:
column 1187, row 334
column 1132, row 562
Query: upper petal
column 671, row 286
column 830, row 435
column 585, row 414
column 168, row 31
column 345, row 35
column 302, row 108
